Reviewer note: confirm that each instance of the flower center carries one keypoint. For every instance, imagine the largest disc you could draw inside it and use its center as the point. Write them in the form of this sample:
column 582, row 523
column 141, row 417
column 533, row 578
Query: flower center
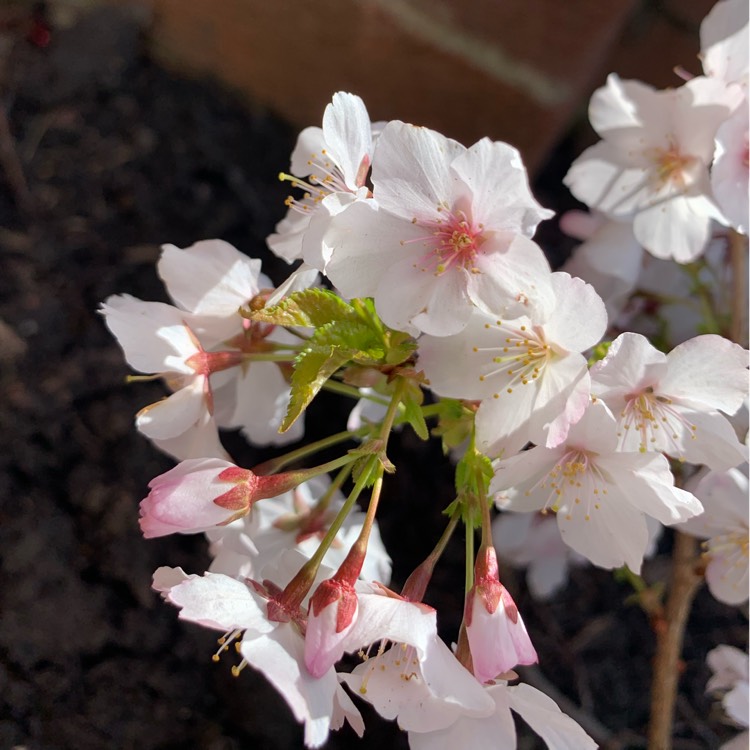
column 575, row 484
column 672, row 167
column 657, row 422
column 453, row 242
column 326, row 178
column 518, row 359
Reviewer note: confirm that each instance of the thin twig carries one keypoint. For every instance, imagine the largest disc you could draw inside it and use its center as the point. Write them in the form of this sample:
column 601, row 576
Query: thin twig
column 669, row 637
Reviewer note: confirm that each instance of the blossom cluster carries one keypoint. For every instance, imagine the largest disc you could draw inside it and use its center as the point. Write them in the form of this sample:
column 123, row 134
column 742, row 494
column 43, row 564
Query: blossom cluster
column 434, row 282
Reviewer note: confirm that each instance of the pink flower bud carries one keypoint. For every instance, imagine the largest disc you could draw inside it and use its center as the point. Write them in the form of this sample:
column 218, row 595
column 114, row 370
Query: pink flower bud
column 497, row 636
column 333, row 612
column 196, row 495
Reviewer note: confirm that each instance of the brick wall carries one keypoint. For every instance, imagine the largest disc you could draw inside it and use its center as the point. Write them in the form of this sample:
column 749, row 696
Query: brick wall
column 516, row 70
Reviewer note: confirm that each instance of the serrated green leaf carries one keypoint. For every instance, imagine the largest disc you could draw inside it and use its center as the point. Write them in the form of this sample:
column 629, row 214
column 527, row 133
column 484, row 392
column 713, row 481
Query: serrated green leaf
column 412, row 401
column 363, row 344
column 310, row 308
column 311, row 369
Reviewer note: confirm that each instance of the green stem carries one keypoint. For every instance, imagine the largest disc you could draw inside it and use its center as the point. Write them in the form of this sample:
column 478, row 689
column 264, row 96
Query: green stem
column 325, row 499
column 276, row 464
column 314, row 562
column 469, row 529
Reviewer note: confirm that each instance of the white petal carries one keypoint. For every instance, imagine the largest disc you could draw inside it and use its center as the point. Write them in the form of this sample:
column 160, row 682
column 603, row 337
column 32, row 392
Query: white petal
column 153, row 336
column 501, row 199
column 220, row 602
column 347, row 133
column 209, row 277
column 514, row 279
column 173, row 415
column 676, row 228
column 201, row 440
column 544, row 716
column 411, row 171
column 707, row 372
column 280, row 656
column 579, row 319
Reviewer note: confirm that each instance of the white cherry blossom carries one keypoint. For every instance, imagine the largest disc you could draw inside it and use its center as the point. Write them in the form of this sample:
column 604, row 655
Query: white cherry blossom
column 326, row 162
column 729, row 174
column 448, row 230
column 600, row 494
column 652, row 164
column 532, row 380
column 724, row 525
column 672, row 402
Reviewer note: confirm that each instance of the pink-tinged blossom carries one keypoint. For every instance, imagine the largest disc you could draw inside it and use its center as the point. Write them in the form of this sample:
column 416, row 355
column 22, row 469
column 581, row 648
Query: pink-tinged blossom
column 724, row 525
column 672, row 402
column 497, row 635
column 652, row 165
column 448, row 230
column 159, row 339
column 332, row 614
column 600, row 494
column 326, row 163
column 271, row 634
column 532, row 380
column 198, row 494
column 274, row 647
column 730, row 681
column 211, row 280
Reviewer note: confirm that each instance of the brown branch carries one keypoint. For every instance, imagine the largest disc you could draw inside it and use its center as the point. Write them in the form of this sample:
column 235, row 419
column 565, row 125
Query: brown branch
column 670, row 632
column 738, row 326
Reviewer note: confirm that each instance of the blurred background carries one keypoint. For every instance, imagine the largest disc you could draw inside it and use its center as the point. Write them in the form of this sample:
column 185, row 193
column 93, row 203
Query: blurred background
column 127, row 125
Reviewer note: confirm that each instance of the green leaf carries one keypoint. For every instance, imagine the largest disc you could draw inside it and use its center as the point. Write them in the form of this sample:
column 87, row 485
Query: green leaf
column 311, row 369
column 363, row 345
column 310, row 308
column 412, row 401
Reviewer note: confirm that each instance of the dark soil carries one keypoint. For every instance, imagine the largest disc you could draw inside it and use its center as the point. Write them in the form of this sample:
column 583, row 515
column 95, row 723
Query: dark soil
column 117, row 156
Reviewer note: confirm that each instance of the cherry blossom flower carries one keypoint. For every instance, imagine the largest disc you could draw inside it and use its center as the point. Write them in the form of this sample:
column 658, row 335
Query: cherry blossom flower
column 158, row 338
column 271, row 634
column 497, row 635
column 730, row 679
column 725, row 525
column 423, row 694
column 200, row 493
column 671, row 402
column 600, row 494
column 212, row 280
column 326, row 162
column 532, row 381
column 448, row 229
column 442, row 706
column 652, row 165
